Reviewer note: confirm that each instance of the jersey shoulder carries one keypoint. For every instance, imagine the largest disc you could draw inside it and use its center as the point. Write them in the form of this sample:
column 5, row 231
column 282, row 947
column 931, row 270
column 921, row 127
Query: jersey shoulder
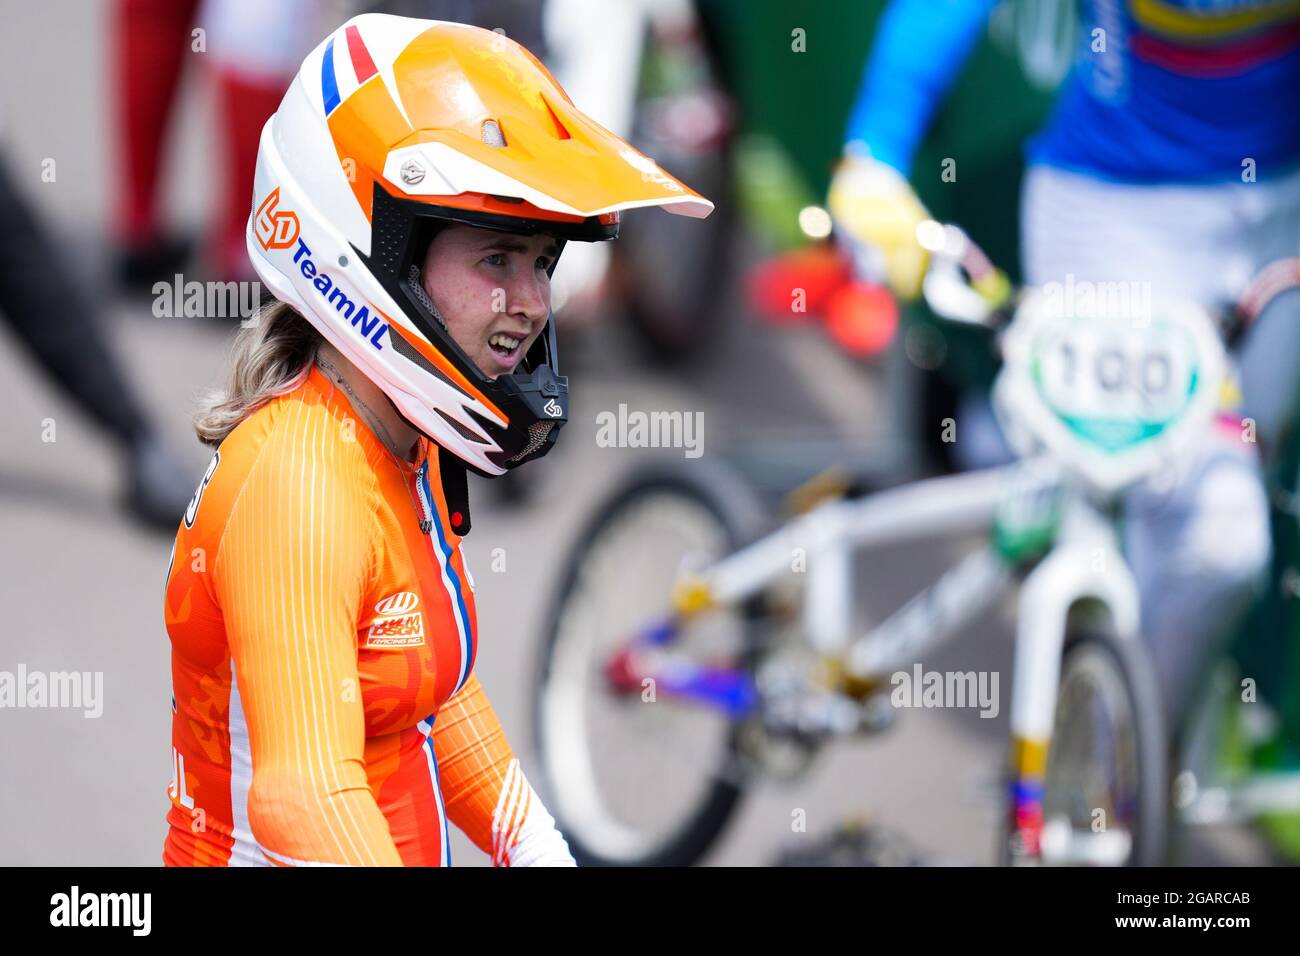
column 300, row 458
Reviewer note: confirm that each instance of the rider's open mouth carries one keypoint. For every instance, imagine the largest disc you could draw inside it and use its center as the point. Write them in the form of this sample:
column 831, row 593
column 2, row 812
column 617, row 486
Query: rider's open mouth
column 504, row 345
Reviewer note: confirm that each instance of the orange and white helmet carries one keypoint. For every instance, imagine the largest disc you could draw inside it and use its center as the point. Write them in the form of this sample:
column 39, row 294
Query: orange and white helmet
column 392, row 128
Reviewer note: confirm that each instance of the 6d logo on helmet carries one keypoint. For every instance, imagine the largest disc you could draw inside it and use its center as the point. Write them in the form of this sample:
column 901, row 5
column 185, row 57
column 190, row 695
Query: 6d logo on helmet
column 276, row 229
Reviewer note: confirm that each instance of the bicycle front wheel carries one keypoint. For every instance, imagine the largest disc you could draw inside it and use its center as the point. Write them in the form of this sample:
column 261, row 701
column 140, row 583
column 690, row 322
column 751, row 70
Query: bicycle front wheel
column 1104, row 800
column 637, row 775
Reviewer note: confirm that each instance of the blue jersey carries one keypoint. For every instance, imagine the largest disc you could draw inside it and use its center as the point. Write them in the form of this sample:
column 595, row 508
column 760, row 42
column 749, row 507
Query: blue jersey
column 1161, row 91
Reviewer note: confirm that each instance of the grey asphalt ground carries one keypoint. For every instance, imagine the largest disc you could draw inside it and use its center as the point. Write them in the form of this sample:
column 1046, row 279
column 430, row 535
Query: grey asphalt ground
column 81, row 586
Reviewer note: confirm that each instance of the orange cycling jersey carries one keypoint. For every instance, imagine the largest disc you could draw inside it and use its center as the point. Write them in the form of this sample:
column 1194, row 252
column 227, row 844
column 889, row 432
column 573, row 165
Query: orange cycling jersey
column 322, row 622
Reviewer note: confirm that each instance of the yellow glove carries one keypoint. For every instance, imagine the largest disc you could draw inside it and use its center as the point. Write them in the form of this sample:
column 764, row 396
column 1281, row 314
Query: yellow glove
column 874, row 204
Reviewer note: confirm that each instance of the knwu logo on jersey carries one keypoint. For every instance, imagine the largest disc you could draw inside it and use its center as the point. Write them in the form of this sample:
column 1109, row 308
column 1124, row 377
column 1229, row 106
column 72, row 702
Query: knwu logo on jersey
column 396, row 622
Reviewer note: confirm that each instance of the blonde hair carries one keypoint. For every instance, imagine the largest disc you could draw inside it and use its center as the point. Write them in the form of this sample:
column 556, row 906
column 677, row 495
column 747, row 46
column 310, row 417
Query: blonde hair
column 269, row 358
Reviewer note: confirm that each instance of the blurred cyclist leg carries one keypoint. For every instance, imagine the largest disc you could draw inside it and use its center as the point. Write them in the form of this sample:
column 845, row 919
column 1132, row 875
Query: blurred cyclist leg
column 150, row 42
column 254, row 47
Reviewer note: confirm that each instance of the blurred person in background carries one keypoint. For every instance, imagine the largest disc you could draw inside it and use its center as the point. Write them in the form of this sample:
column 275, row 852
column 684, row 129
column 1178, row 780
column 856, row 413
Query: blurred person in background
column 325, row 708
column 253, row 48
column 54, row 313
column 1171, row 158
column 521, row 20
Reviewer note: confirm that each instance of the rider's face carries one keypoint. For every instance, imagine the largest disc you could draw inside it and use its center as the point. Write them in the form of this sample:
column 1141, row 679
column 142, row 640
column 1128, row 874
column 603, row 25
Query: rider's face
column 492, row 289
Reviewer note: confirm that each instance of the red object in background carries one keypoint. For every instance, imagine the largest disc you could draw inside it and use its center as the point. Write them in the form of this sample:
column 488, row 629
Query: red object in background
column 860, row 317
column 246, row 104
column 621, row 671
column 150, row 42
column 1027, row 820
column 774, row 285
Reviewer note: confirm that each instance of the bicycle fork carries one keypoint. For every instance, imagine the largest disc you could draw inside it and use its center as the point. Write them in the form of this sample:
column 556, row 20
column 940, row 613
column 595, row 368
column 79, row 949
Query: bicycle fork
column 1084, row 564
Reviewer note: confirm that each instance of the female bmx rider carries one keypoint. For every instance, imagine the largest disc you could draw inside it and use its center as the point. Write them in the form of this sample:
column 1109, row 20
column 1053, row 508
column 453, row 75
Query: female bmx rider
column 413, row 193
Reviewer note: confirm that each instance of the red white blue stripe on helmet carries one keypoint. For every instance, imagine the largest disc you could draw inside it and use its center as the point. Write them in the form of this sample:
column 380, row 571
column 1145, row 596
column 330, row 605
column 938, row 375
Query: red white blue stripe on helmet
column 358, row 68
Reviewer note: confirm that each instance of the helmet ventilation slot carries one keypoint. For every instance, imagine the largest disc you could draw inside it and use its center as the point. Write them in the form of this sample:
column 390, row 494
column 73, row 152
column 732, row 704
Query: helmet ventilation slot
column 560, row 131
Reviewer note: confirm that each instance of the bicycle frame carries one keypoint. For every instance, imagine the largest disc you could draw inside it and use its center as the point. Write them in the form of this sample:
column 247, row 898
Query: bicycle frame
column 1080, row 560
column 1084, row 562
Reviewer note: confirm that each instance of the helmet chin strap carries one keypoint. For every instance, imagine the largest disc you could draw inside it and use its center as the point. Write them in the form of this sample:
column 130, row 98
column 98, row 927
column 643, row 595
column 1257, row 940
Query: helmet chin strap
column 451, row 470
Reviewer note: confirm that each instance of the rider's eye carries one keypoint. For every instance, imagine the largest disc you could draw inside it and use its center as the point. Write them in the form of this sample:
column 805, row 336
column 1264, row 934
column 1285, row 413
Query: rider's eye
column 496, row 259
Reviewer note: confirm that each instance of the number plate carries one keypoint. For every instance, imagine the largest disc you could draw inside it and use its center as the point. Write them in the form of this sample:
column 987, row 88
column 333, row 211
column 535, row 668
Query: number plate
column 1112, row 398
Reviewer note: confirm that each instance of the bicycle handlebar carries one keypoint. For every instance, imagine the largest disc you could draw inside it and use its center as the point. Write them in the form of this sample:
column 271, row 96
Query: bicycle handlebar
column 962, row 284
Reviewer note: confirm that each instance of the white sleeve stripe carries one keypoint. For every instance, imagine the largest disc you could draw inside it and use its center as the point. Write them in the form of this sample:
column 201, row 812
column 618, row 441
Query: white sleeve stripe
column 530, row 837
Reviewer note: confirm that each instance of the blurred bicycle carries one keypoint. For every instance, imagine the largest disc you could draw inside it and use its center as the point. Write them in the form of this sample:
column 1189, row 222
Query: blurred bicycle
column 685, row 654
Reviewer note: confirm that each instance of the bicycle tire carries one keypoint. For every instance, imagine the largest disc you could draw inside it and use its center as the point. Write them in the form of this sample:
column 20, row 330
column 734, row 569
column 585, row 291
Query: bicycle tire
column 737, row 511
column 1130, row 665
